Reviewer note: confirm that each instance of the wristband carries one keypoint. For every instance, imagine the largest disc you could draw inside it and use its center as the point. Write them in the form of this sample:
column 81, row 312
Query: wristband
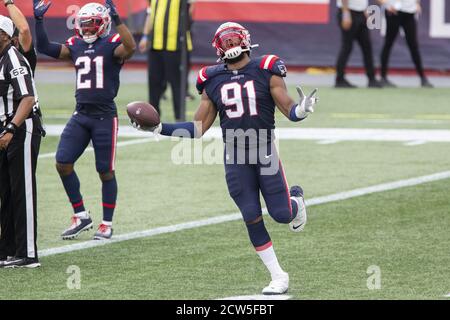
column 7, row 3
column 11, row 128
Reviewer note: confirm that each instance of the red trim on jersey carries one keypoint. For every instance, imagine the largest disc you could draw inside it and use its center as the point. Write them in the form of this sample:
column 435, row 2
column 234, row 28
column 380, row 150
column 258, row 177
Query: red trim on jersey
column 264, row 247
column 286, row 186
column 202, row 76
column 109, row 206
column 70, row 41
column 77, row 205
column 115, row 38
column 112, row 166
column 263, row 62
column 272, row 62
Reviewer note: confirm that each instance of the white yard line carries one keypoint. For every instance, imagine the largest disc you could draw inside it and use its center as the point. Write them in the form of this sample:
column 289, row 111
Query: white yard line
column 316, row 134
column 237, row 216
column 447, row 295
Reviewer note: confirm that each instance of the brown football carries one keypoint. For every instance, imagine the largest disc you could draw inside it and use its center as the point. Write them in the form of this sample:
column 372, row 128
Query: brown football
column 143, row 114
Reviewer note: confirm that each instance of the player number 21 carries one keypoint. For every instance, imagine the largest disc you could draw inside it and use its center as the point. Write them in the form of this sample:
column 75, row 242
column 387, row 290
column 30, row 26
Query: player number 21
column 235, row 99
column 86, row 62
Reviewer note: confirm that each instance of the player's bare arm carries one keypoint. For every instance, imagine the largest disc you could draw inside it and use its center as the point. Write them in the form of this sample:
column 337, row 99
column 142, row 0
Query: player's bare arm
column 280, row 95
column 205, row 116
column 43, row 45
column 128, row 47
column 25, row 37
column 293, row 111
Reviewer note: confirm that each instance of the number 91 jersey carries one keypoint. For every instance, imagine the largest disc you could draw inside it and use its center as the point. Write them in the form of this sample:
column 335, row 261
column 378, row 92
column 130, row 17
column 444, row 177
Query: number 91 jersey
column 242, row 97
column 98, row 74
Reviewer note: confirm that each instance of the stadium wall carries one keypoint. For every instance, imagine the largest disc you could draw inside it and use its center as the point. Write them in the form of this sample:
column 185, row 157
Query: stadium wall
column 302, row 32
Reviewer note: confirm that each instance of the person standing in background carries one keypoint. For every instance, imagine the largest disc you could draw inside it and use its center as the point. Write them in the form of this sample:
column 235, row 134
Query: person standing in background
column 22, row 38
column 162, row 36
column 353, row 24
column 401, row 13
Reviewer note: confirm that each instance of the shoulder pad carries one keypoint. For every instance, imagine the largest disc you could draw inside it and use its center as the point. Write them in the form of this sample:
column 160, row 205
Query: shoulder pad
column 115, row 38
column 205, row 74
column 274, row 65
column 71, row 41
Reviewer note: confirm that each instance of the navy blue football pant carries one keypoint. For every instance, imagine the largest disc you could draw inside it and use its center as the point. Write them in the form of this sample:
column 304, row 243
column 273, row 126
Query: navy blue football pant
column 77, row 134
column 263, row 174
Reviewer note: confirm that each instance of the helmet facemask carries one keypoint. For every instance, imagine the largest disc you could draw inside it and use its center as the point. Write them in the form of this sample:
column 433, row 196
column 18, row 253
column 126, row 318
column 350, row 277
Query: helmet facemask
column 91, row 24
column 231, row 42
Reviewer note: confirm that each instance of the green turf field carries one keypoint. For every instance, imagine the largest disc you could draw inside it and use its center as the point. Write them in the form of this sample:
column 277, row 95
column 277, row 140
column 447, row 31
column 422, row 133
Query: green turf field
column 404, row 232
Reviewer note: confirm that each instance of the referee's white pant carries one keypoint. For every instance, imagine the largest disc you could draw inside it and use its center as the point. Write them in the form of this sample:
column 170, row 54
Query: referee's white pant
column 18, row 213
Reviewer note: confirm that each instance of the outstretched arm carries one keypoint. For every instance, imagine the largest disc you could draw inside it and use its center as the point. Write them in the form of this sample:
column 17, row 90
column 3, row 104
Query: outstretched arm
column 128, row 47
column 203, row 120
column 25, row 37
column 293, row 111
column 43, row 45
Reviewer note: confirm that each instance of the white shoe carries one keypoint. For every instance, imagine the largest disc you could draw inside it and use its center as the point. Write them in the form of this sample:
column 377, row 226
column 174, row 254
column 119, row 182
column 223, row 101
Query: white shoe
column 299, row 222
column 279, row 285
column 104, row 232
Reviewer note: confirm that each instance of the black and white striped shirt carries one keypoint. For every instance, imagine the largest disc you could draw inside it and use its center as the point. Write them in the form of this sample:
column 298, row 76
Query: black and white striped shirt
column 16, row 82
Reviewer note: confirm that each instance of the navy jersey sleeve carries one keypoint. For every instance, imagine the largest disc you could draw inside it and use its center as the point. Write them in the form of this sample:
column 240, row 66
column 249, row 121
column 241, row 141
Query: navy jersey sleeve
column 274, row 65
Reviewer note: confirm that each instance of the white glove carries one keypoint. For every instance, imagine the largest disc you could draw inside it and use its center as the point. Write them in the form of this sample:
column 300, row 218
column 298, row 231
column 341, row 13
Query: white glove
column 306, row 104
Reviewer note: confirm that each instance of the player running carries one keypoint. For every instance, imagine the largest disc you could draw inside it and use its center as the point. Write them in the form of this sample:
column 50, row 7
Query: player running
column 98, row 57
column 244, row 93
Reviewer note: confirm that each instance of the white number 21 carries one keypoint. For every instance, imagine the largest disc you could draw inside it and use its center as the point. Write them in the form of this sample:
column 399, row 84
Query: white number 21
column 86, row 70
column 236, row 99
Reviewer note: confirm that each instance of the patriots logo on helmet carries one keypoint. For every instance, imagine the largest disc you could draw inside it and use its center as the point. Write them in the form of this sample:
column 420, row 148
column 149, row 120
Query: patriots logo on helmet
column 282, row 69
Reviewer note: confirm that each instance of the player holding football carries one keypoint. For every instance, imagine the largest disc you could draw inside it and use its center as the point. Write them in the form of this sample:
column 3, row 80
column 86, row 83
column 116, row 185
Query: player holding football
column 244, row 92
column 98, row 57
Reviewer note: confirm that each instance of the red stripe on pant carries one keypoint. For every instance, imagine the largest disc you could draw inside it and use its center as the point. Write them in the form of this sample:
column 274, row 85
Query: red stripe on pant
column 109, row 206
column 287, row 188
column 264, row 247
column 112, row 166
column 77, row 205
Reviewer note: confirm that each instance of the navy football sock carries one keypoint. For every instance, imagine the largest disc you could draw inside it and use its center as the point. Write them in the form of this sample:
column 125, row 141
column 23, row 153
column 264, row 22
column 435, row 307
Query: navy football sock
column 72, row 187
column 109, row 191
column 258, row 235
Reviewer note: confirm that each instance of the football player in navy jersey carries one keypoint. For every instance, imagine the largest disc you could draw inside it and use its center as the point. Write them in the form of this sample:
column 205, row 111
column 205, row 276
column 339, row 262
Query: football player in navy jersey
column 244, row 93
column 98, row 57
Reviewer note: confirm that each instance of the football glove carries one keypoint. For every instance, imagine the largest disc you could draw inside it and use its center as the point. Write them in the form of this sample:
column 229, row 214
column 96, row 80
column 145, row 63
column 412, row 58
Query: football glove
column 109, row 4
column 306, row 104
column 156, row 129
column 40, row 8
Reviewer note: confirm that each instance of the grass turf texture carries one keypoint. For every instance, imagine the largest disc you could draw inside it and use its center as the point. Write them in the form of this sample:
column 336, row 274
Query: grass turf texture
column 403, row 232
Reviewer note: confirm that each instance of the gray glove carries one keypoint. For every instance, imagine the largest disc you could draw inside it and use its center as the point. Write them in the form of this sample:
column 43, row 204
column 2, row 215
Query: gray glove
column 306, row 103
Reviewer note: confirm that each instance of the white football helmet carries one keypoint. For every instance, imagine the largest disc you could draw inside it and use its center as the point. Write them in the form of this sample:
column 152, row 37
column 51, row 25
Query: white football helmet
column 231, row 40
column 93, row 21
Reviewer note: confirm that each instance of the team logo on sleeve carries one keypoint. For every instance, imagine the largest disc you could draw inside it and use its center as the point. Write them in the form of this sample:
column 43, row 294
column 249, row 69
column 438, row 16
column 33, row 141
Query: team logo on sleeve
column 283, row 69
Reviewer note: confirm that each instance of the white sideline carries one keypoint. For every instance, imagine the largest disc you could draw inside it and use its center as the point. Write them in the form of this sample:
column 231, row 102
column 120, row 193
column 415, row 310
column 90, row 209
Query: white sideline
column 236, row 216
column 320, row 134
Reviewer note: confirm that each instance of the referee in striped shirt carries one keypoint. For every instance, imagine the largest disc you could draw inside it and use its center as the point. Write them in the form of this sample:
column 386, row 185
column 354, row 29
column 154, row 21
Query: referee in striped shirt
column 20, row 138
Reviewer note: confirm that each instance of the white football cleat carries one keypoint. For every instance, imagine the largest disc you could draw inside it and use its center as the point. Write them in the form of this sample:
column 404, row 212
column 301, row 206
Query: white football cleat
column 299, row 222
column 278, row 285
column 104, row 232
